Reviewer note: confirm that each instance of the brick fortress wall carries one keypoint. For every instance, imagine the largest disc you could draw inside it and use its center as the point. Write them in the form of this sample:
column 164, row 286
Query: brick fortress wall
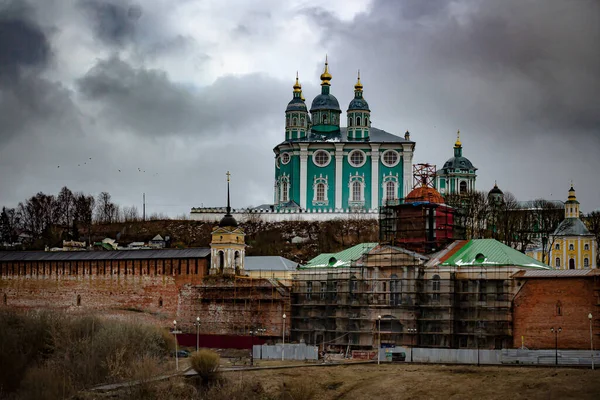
column 547, row 303
column 145, row 289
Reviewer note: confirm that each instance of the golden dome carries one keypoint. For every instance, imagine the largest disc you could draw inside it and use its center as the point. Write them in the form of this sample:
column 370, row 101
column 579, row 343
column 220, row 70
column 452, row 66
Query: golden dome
column 297, row 86
column 326, row 76
column 359, row 85
column 458, row 143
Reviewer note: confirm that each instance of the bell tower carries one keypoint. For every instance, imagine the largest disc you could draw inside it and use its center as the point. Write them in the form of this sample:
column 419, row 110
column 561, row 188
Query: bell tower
column 227, row 247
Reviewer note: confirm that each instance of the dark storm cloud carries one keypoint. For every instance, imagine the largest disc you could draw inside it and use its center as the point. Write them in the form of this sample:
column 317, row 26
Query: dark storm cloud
column 147, row 102
column 525, row 66
column 114, row 23
column 22, row 43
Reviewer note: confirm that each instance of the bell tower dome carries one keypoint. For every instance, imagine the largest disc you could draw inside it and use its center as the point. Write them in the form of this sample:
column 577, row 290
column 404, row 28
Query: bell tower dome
column 325, row 109
column 359, row 115
column 227, row 247
column 296, row 115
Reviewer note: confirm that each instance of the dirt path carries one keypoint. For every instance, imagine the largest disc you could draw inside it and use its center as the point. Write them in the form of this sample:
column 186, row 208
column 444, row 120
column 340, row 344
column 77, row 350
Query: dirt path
column 435, row 382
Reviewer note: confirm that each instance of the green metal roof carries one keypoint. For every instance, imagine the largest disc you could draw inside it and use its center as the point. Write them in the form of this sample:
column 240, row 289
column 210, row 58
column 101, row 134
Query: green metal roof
column 342, row 259
column 490, row 252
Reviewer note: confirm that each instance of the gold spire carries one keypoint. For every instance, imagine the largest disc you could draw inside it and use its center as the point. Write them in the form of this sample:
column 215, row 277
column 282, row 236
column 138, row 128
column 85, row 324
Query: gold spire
column 458, row 143
column 297, row 86
column 495, row 184
column 359, row 86
column 326, row 76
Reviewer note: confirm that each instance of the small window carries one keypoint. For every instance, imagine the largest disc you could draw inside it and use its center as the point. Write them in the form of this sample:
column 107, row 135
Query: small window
column 321, row 158
column 78, row 300
column 356, row 191
column 557, row 262
column 308, row 290
column 5, row 299
column 390, row 158
column 357, row 158
column 558, row 308
column 463, row 187
column 586, row 246
column 571, row 246
column 350, row 120
column 357, row 121
column 482, row 290
column 435, row 286
column 390, row 190
column 160, row 302
column 324, row 119
column 285, row 158
column 586, row 263
column 320, row 192
column 571, row 263
column 294, row 121
column 323, row 290
column 557, row 246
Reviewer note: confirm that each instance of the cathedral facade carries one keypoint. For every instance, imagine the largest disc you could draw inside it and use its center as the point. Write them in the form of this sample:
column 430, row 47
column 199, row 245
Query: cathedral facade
column 324, row 167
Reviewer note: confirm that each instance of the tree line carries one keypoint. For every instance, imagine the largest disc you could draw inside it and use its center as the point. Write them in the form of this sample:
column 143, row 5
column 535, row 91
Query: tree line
column 73, row 213
column 517, row 224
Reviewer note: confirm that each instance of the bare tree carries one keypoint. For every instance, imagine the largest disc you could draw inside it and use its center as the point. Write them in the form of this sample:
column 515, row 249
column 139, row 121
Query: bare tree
column 106, row 211
column 131, row 214
column 65, row 207
column 592, row 220
column 9, row 222
column 473, row 211
column 84, row 210
column 37, row 214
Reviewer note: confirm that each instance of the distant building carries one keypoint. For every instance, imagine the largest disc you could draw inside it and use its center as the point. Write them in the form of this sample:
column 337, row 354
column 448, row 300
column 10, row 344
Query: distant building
column 157, row 242
column 458, row 174
column 571, row 246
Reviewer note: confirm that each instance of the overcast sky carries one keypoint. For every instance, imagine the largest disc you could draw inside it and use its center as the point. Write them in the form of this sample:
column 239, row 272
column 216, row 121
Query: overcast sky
column 165, row 96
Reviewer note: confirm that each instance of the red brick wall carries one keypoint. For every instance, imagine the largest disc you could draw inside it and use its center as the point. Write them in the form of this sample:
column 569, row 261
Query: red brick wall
column 123, row 287
column 535, row 312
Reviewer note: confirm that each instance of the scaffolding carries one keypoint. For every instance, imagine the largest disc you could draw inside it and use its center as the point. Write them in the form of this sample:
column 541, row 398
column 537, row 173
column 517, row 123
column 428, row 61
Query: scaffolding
column 396, row 296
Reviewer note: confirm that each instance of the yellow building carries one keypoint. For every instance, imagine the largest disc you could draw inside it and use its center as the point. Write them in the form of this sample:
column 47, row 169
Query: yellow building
column 572, row 246
column 227, row 247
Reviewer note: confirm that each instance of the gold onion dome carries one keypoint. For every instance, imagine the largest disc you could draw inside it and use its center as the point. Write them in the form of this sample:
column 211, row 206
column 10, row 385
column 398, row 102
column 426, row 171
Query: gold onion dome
column 326, row 76
column 297, row 86
column 358, row 85
column 458, row 143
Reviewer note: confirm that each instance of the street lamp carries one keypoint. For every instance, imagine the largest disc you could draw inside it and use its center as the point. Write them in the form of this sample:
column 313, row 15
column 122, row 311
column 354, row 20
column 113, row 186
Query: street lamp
column 379, row 344
column 556, row 332
column 413, row 332
column 255, row 331
column 197, row 333
column 176, row 349
column 591, row 339
column 283, row 339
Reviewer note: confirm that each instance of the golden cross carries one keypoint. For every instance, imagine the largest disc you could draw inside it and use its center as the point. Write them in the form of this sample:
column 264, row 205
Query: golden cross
column 228, row 175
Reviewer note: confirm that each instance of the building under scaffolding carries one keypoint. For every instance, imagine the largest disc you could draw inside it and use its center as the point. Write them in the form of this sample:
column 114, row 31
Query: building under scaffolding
column 458, row 298
column 420, row 222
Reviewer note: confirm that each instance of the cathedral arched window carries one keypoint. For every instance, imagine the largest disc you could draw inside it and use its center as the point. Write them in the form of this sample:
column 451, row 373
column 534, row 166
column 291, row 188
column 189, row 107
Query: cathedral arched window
column 237, row 260
column 294, row 122
column 333, row 119
column 571, row 263
column 558, row 308
column 302, row 121
column 367, row 121
column 463, row 187
column 320, row 192
column 78, row 300
column 586, row 262
column 350, row 121
column 390, row 190
column 586, row 246
column 357, row 121
column 284, row 191
column 557, row 262
column 571, row 246
column 557, row 246
column 356, row 191
column 324, row 118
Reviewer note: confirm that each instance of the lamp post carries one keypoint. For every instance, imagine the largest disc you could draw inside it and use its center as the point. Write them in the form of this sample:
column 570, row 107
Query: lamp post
column 556, row 332
column 413, row 332
column 590, row 316
column 252, row 331
column 197, row 333
column 176, row 349
column 283, row 339
column 379, row 340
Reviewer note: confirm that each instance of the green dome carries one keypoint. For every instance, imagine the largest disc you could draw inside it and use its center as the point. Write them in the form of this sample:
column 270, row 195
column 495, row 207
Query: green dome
column 458, row 163
column 358, row 104
column 325, row 102
column 296, row 104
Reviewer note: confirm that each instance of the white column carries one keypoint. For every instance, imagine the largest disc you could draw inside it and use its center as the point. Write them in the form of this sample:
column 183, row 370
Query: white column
column 579, row 256
column 374, row 176
column 303, row 172
column 407, row 152
column 339, row 158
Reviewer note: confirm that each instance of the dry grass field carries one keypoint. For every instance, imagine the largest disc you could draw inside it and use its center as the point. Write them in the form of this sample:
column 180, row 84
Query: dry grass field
column 397, row 381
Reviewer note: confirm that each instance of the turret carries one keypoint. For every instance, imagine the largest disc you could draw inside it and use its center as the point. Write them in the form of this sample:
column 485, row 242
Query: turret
column 325, row 109
column 572, row 205
column 495, row 196
column 458, row 146
column 296, row 115
column 359, row 115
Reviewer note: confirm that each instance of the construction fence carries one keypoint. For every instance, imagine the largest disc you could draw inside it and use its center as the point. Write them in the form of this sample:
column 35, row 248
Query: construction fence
column 493, row 357
column 290, row 352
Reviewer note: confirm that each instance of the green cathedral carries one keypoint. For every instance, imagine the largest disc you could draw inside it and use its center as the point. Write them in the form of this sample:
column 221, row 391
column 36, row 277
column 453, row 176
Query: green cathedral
column 322, row 167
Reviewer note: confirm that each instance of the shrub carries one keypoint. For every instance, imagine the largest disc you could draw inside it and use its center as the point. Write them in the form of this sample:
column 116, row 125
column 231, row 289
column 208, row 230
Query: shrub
column 206, row 364
column 298, row 389
column 46, row 382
